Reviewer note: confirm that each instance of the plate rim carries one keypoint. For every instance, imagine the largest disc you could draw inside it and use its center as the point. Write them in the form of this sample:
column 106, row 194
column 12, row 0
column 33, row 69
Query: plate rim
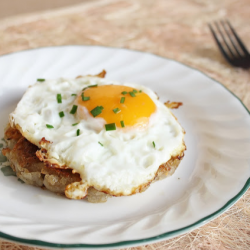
column 159, row 237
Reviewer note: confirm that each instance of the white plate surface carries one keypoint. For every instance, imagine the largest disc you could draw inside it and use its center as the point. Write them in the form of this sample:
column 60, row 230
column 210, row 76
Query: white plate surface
column 212, row 176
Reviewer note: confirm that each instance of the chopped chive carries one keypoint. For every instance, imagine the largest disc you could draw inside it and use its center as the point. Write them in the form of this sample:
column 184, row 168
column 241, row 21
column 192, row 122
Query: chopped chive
column 153, row 144
column 140, row 91
column 75, row 124
column 116, row 110
column 100, row 144
column 40, row 80
column 73, row 110
column 73, row 94
column 90, row 86
column 110, row 126
column 135, row 91
column 49, row 126
column 122, row 99
column 3, row 158
column 85, row 98
column 61, row 114
column 96, row 111
column 124, row 92
column 59, row 98
column 132, row 93
column 122, row 124
column 78, row 132
column 8, row 171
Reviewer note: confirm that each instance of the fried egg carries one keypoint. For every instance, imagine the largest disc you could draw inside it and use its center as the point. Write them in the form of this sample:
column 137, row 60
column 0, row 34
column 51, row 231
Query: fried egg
column 115, row 135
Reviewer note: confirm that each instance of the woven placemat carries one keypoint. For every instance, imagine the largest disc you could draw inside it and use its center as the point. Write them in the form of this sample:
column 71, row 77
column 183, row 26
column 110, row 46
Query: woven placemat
column 173, row 29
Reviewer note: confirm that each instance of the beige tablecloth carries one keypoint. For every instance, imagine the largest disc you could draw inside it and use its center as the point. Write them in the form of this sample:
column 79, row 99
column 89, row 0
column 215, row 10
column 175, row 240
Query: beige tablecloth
column 175, row 29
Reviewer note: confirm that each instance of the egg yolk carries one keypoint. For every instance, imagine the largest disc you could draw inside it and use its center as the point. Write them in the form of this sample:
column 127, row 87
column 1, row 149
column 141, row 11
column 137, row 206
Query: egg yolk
column 118, row 104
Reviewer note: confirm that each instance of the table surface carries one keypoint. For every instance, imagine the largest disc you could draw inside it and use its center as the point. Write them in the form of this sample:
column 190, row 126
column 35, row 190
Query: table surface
column 173, row 29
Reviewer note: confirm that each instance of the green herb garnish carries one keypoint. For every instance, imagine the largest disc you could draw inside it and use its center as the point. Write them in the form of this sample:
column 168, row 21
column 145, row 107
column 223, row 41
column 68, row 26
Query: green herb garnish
column 40, row 80
column 85, row 98
column 124, row 92
column 135, row 91
column 116, row 110
column 122, row 99
column 73, row 94
column 8, row 171
column 100, row 144
column 140, row 91
column 1, row 145
column 122, row 124
column 132, row 93
column 96, row 111
column 49, row 126
column 2, row 158
column 90, row 86
column 59, row 98
column 75, row 124
column 110, row 126
column 78, row 132
column 61, row 114
column 153, row 144
column 73, row 110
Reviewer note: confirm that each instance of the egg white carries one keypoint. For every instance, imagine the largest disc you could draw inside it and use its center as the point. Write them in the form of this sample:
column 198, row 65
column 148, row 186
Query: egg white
column 127, row 158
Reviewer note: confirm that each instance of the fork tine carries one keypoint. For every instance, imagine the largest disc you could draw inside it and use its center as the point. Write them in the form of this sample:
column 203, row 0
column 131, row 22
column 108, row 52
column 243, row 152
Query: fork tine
column 219, row 45
column 230, row 37
column 225, row 41
column 243, row 47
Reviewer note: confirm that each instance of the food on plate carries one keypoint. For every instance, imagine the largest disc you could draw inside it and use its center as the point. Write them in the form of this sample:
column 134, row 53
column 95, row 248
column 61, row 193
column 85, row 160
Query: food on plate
column 93, row 138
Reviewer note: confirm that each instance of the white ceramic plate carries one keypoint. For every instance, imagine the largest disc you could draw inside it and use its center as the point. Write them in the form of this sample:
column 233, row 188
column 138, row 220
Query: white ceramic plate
column 212, row 176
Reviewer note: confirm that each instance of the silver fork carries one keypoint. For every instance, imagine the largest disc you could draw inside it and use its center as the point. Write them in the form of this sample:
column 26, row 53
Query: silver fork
column 236, row 53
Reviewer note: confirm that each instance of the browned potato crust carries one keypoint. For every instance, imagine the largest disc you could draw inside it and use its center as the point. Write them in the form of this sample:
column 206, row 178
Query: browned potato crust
column 24, row 161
